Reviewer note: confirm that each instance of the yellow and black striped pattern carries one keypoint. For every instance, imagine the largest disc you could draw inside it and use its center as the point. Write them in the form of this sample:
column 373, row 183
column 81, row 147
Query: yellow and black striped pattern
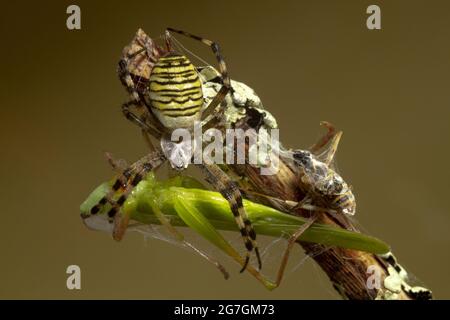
column 344, row 201
column 175, row 88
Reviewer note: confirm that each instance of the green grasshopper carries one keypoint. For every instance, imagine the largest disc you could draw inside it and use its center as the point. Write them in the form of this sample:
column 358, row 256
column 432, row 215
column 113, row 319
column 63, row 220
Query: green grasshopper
column 183, row 202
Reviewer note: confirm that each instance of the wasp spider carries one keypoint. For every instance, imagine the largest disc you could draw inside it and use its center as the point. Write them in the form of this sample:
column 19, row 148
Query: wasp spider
column 168, row 97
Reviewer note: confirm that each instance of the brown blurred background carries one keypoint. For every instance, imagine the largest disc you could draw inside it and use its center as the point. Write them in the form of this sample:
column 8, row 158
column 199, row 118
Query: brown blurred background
column 388, row 90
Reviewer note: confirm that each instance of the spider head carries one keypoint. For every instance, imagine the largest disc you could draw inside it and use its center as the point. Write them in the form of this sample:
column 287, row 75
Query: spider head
column 180, row 153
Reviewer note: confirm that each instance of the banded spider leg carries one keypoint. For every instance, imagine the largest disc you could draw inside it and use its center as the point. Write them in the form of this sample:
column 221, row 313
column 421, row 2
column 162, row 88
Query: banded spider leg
column 127, row 179
column 332, row 138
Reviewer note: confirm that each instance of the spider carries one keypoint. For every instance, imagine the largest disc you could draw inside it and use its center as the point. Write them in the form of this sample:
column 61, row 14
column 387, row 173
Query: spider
column 166, row 90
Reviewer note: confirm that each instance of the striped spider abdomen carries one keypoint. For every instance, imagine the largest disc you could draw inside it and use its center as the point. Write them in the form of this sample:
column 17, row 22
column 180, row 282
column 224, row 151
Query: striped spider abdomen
column 175, row 92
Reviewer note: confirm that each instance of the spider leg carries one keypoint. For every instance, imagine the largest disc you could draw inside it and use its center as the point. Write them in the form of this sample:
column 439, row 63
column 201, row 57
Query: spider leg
column 147, row 139
column 180, row 238
column 141, row 121
column 291, row 241
column 280, row 204
column 226, row 82
column 230, row 191
column 290, row 205
column 296, row 235
column 118, row 165
column 141, row 169
column 119, row 184
column 124, row 183
column 135, row 100
column 134, row 175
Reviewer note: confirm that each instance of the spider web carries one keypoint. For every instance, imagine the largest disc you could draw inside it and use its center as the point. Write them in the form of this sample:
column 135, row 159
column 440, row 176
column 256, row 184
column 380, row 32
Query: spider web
column 272, row 249
column 181, row 48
